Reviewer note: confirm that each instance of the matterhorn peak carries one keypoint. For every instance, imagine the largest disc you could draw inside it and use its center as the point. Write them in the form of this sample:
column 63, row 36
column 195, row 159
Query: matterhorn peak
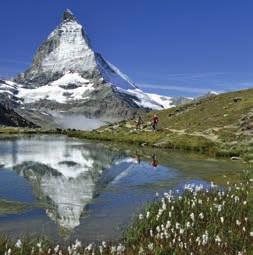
column 68, row 15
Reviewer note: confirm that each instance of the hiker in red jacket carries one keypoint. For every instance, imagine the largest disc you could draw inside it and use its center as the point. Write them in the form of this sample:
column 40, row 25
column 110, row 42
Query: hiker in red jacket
column 155, row 121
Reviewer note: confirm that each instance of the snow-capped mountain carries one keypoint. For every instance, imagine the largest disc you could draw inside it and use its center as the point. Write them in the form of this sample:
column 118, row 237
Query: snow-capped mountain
column 67, row 77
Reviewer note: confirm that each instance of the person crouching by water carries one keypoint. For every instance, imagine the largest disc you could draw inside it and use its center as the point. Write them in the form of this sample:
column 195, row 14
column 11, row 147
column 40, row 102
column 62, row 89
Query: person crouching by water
column 155, row 121
column 154, row 162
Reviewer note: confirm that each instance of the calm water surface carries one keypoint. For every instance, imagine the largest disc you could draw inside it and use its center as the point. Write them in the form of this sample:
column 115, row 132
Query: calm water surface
column 88, row 190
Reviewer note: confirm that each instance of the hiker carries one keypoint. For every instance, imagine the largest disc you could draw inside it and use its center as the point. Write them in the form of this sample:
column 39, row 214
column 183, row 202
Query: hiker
column 139, row 122
column 155, row 121
column 154, row 162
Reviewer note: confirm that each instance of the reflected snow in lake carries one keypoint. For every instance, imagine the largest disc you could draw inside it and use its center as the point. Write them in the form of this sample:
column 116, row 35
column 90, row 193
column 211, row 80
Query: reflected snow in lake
column 83, row 189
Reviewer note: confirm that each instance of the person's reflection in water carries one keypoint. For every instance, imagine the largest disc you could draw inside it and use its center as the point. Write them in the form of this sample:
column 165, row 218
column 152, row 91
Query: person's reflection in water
column 154, row 162
column 138, row 157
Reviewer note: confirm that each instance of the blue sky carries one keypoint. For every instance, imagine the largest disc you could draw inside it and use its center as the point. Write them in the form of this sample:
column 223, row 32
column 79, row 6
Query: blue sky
column 179, row 47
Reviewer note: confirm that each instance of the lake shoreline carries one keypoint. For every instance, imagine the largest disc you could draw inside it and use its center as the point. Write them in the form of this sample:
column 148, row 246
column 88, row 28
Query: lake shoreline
column 142, row 139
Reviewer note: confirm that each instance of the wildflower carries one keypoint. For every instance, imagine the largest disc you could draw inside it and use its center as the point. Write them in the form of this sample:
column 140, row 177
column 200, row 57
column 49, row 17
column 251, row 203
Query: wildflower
column 147, row 215
column 56, row 249
column 201, row 216
column 192, row 216
column 238, row 223
column 89, row 247
column 188, row 224
column 217, row 239
column 151, row 246
column 204, row 239
column 168, row 224
column 77, row 244
column 140, row 216
column 141, row 250
column 120, row 249
column 113, row 249
column 222, row 219
column 151, row 232
column 18, row 244
column 251, row 234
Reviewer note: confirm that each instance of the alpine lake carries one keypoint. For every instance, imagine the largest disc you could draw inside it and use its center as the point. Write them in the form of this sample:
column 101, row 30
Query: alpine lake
column 65, row 188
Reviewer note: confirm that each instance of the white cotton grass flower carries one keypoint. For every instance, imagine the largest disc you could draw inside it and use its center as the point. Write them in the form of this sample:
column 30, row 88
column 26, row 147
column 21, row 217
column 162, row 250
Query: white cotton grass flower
column 151, row 246
column 89, row 247
column 57, row 247
column 18, row 244
column 217, row 239
column 251, row 234
column 201, row 216
column 222, row 219
column 120, row 248
column 238, row 223
column 192, row 216
column 140, row 216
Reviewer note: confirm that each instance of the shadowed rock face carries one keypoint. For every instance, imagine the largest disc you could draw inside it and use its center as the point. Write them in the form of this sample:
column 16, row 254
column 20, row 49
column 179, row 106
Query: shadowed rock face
column 8, row 117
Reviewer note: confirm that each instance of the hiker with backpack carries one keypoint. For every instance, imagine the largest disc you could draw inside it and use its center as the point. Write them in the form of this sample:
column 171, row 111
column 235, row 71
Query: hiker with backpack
column 155, row 121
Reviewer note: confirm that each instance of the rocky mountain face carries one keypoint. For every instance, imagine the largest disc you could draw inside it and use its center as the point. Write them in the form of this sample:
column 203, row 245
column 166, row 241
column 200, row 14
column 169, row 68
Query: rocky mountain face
column 68, row 78
column 9, row 117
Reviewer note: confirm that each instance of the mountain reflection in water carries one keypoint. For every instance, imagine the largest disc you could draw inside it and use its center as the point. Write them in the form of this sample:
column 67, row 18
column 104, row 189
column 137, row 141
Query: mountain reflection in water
column 66, row 174
column 63, row 174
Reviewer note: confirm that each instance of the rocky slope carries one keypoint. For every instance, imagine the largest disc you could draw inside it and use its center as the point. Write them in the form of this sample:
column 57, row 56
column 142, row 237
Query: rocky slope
column 9, row 117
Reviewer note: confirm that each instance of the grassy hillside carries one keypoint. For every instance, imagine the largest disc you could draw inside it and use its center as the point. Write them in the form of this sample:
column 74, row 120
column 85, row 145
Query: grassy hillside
column 220, row 125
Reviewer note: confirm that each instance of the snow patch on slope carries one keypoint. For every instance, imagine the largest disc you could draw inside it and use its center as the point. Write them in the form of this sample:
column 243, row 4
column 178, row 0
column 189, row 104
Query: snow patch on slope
column 55, row 91
column 166, row 102
column 70, row 78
